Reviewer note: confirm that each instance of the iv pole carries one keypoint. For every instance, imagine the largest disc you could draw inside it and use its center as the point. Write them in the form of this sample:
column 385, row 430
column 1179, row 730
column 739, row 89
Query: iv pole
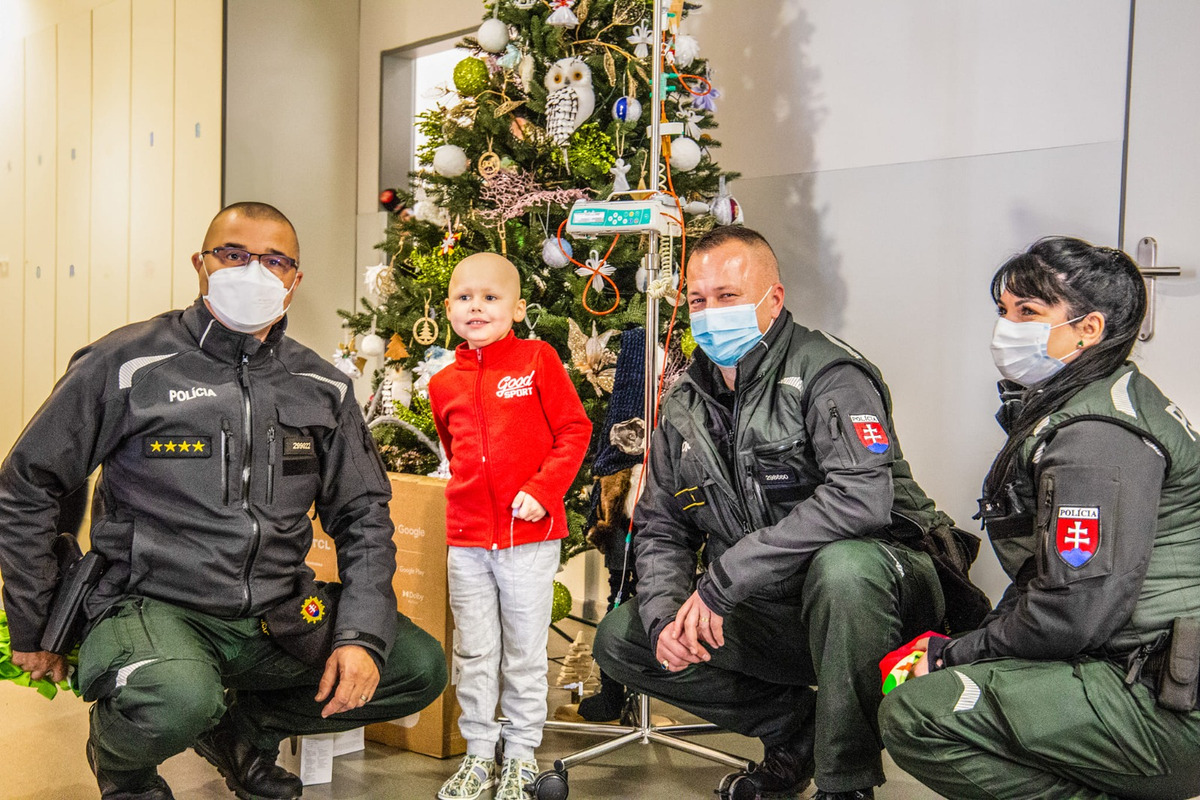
column 552, row 784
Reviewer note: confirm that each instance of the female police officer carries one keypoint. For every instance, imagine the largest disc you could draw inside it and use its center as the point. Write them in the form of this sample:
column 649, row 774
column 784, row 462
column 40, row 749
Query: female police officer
column 1082, row 682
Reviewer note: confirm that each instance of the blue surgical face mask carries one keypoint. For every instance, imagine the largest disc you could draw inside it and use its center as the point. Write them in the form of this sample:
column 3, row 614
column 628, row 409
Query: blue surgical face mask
column 726, row 334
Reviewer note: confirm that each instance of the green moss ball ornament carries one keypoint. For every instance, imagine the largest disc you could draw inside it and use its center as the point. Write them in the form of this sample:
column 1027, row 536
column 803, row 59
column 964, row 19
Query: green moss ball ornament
column 687, row 343
column 562, row 603
column 470, row 76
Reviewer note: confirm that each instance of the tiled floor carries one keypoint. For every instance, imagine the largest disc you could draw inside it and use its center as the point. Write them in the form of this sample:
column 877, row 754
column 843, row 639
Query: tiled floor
column 41, row 758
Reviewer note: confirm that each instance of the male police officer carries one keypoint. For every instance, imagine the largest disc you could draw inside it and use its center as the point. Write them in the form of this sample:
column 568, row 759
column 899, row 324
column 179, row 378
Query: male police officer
column 216, row 433
column 775, row 456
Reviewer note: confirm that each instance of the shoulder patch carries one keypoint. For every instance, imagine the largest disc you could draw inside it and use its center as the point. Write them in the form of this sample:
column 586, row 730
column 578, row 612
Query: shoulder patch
column 341, row 387
column 126, row 370
column 1077, row 534
column 1120, row 396
column 870, row 432
column 841, row 344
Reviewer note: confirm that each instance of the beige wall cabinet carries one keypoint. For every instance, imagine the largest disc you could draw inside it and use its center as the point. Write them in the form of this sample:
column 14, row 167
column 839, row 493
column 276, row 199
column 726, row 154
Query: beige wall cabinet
column 152, row 134
column 74, row 196
column 12, row 240
column 110, row 168
column 40, row 197
column 199, row 44
column 109, row 285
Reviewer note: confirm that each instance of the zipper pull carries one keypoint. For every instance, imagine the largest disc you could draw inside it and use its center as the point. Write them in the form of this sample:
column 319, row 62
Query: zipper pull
column 244, row 374
column 271, row 444
column 835, row 422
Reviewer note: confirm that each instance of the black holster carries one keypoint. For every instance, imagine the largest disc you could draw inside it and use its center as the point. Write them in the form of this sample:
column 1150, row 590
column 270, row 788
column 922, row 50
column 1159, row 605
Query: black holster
column 1179, row 671
column 78, row 574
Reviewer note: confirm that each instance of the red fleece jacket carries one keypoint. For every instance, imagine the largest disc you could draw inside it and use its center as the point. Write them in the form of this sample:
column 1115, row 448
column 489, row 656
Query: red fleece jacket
column 510, row 420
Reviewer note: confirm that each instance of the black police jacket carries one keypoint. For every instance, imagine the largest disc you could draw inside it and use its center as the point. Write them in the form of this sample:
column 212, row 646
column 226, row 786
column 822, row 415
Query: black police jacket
column 214, row 447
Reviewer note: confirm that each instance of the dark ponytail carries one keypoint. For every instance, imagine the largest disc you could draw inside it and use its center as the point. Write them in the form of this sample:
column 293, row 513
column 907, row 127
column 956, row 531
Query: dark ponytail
column 1087, row 278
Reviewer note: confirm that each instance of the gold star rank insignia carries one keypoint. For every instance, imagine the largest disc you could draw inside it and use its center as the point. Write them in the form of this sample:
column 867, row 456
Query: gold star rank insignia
column 182, row 446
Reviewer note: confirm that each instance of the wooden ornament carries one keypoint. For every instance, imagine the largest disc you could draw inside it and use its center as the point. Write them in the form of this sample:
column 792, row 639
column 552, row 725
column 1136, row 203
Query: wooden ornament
column 396, row 349
column 489, row 164
column 425, row 330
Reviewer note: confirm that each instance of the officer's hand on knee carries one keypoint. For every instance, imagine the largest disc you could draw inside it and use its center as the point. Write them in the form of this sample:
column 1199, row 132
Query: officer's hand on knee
column 351, row 670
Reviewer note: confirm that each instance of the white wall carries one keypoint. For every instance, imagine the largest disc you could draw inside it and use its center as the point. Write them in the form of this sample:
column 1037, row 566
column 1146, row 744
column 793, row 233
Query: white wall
column 1163, row 192
column 291, row 105
column 895, row 154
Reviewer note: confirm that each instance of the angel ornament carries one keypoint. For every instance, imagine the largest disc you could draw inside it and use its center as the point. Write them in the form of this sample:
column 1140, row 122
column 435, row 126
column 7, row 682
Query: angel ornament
column 591, row 357
column 562, row 16
column 597, row 268
column 619, row 170
column 642, row 38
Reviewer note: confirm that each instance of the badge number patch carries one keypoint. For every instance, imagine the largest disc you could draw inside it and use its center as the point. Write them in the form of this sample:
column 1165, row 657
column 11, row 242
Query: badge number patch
column 870, row 432
column 1077, row 534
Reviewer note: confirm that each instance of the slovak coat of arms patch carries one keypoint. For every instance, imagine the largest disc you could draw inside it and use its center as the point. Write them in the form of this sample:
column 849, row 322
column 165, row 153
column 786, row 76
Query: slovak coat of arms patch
column 1077, row 534
column 870, row 432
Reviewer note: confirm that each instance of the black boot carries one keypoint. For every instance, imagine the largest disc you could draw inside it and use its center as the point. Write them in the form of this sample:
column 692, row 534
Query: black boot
column 785, row 770
column 857, row 794
column 116, row 786
column 250, row 773
column 605, row 705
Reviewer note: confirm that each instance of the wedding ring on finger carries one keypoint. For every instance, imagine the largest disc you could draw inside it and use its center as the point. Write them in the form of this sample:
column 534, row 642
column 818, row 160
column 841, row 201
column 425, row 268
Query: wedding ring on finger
column 362, row 697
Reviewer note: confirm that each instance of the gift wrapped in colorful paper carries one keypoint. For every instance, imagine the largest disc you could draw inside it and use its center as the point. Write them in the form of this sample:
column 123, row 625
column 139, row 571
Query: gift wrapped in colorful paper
column 11, row 672
column 897, row 666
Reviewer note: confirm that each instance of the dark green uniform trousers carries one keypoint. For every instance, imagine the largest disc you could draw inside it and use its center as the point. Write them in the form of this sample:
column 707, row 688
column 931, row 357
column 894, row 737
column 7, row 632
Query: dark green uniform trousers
column 861, row 599
column 159, row 675
column 1040, row 729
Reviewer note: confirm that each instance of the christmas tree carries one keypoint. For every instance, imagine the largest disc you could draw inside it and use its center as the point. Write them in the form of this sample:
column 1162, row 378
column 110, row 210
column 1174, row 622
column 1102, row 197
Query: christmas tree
column 552, row 103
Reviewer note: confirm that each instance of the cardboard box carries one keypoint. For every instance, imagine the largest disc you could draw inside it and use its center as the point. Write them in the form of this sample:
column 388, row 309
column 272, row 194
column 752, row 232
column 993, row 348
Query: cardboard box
column 418, row 511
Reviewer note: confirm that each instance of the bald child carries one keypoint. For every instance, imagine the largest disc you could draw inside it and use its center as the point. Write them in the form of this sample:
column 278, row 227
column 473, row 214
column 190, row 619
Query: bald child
column 515, row 433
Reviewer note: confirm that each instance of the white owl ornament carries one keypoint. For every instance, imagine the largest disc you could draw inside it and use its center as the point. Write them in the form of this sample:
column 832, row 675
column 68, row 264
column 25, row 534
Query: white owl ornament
column 571, row 99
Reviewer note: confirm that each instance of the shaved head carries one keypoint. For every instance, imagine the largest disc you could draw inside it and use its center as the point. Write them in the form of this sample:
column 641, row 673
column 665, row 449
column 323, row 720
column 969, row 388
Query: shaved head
column 755, row 244
column 250, row 211
column 488, row 267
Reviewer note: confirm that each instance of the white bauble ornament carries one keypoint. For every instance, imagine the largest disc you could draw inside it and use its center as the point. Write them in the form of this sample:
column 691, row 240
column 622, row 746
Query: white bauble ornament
column 492, row 35
column 696, row 208
column 553, row 255
column 685, row 154
column 627, row 109
column 372, row 345
column 725, row 208
column 450, row 161
column 687, row 49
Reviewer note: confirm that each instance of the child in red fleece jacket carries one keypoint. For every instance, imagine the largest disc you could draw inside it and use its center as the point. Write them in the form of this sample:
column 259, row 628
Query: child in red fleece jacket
column 515, row 433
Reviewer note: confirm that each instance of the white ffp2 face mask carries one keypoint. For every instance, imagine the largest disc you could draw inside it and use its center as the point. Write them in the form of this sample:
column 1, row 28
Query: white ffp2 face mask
column 1019, row 350
column 246, row 299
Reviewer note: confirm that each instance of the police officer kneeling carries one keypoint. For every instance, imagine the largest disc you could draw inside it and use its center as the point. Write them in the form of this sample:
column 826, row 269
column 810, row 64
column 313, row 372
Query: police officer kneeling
column 216, row 434
column 775, row 456
column 1082, row 682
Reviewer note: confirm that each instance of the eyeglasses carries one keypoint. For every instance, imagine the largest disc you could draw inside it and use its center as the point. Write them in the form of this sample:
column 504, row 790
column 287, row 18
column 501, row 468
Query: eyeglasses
column 278, row 265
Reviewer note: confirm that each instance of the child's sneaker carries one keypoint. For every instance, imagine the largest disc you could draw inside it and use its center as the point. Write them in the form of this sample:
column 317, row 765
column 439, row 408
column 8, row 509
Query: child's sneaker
column 474, row 775
column 514, row 777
